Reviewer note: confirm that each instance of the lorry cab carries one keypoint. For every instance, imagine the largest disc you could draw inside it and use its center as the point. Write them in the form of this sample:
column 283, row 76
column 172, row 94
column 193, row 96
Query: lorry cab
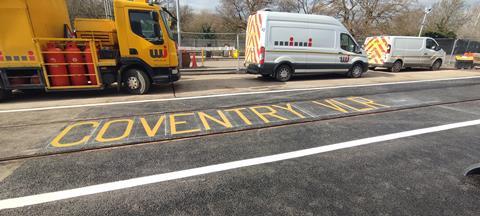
column 398, row 52
column 282, row 45
column 38, row 49
column 146, row 41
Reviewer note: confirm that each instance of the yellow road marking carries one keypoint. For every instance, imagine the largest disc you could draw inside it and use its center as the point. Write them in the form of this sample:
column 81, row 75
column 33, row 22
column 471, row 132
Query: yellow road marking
column 289, row 108
column 240, row 114
column 271, row 112
column 56, row 141
column 174, row 123
column 224, row 120
column 126, row 132
column 367, row 102
column 332, row 104
column 151, row 132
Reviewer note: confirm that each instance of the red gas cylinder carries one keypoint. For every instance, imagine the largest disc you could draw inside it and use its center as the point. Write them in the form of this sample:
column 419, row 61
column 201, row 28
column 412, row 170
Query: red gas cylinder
column 59, row 73
column 90, row 67
column 76, row 67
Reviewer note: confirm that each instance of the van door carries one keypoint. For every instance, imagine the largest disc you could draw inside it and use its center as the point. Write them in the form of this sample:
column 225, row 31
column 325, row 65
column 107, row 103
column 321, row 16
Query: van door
column 348, row 48
column 430, row 52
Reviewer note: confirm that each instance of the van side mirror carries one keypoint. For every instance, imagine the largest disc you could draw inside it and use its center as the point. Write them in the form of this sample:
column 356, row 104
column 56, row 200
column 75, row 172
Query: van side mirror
column 358, row 50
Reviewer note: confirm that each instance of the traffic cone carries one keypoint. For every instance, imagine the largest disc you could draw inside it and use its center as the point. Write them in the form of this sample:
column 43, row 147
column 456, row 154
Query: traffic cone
column 194, row 60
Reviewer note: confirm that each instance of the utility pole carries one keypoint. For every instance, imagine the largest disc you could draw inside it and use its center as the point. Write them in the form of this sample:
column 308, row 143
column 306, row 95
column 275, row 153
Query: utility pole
column 179, row 34
column 427, row 11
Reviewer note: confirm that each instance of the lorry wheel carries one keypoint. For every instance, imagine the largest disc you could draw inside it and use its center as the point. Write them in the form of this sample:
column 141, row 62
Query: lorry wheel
column 436, row 66
column 397, row 67
column 283, row 73
column 356, row 71
column 136, row 82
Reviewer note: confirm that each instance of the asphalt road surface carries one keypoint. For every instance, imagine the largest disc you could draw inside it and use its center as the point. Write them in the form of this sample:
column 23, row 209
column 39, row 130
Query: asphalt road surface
column 375, row 149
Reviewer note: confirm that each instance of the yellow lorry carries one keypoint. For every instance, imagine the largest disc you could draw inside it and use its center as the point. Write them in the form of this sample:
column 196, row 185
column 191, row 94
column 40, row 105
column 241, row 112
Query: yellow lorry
column 38, row 50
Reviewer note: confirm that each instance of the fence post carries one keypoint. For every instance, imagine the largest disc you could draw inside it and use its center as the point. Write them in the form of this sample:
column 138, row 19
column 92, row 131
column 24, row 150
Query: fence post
column 453, row 51
column 238, row 52
column 203, row 57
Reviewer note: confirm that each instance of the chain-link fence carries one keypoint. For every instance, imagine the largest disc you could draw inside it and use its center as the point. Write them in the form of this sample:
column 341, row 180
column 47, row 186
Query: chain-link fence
column 454, row 47
column 213, row 50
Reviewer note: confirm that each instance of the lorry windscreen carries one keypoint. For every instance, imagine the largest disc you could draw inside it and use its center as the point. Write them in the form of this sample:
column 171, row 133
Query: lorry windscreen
column 169, row 21
column 143, row 25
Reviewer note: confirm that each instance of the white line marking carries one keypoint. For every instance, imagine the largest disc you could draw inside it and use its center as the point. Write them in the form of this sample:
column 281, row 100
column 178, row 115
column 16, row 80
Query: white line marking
column 135, row 182
column 226, row 95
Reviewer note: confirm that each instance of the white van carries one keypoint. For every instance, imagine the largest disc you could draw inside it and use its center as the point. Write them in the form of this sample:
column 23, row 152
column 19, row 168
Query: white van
column 398, row 52
column 281, row 45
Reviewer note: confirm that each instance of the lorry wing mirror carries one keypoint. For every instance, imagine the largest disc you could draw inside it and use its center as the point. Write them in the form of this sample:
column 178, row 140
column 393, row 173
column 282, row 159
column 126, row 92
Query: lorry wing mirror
column 173, row 24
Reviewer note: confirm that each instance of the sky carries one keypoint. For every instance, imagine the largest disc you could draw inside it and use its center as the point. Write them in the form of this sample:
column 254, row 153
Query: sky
column 212, row 4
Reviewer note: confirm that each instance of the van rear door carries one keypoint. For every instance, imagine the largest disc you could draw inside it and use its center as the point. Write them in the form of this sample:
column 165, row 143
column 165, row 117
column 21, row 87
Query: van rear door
column 253, row 40
column 377, row 48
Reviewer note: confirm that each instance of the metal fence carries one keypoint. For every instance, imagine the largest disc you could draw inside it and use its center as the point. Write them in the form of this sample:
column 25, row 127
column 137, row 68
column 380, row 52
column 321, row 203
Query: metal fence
column 200, row 40
column 455, row 47
column 214, row 50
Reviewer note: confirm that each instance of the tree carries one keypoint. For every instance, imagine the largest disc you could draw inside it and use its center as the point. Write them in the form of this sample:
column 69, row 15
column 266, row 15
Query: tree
column 471, row 29
column 235, row 13
column 405, row 24
column 375, row 13
column 169, row 4
column 187, row 15
column 303, row 6
column 447, row 17
column 207, row 30
column 364, row 17
column 86, row 8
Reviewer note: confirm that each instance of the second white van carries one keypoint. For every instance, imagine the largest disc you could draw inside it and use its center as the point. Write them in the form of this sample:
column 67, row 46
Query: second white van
column 399, row 52
column 281, row 45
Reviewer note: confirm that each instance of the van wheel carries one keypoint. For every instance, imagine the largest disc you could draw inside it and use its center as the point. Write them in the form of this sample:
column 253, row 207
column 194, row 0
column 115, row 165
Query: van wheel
column 397, row 67
column 356, row 71
column 283, row 73
column 436, row 66
column 136, row 82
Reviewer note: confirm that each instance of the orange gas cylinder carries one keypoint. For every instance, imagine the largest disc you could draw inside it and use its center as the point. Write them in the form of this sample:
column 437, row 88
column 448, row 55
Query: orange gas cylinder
column 57, row 70
column 76, row 67
column 90, row 67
